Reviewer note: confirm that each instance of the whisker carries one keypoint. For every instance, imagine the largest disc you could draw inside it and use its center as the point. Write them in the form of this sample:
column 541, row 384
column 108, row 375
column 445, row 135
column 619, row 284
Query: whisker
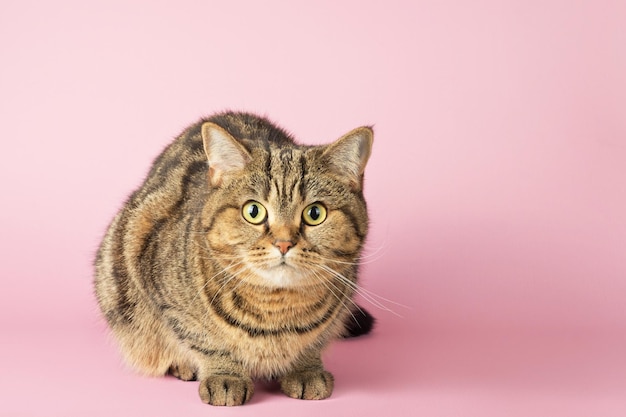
column 230, row 277
column 360, row 261
column 363, row 259
column 382, row 246
column 369, row 296
column 379, row 252
column 326, row 281
column 224, row 272
column 226, row 282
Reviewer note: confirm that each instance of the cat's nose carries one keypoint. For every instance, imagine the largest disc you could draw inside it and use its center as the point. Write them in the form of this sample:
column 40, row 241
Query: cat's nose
column 283, row 245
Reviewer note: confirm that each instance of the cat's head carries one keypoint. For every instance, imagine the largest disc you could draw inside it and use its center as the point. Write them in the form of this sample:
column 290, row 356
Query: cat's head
column 288, row 215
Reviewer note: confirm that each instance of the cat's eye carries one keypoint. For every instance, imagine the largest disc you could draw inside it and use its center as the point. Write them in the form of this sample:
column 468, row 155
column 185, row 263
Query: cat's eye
column 314, row 214
column 254, row 212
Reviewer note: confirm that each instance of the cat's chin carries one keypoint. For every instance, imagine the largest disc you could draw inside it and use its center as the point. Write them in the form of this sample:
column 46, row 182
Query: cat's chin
column 281, row 276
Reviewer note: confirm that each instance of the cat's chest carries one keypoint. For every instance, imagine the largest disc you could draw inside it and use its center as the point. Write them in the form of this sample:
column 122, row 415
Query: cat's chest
column 269, row 331
column 273, row 352
column 272, row 355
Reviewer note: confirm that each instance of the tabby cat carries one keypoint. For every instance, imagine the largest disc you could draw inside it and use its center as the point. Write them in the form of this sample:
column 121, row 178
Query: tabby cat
column 237, row 259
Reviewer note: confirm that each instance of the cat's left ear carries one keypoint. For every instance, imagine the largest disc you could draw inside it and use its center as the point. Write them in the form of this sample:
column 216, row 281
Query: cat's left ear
column 350, row 153
column 225, row 154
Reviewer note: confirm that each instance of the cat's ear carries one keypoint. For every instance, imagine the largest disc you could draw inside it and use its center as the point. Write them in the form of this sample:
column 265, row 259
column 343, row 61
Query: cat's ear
column 225, row 154
column 349, row 154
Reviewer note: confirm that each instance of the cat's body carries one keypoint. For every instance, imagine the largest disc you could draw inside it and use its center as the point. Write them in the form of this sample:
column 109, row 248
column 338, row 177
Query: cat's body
column 243, row 267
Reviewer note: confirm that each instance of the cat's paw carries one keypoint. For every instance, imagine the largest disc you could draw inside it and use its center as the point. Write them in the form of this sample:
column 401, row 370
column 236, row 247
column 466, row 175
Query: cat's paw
column 309, row 385
column 359, row 322
column 183, row 372
column 226, row 390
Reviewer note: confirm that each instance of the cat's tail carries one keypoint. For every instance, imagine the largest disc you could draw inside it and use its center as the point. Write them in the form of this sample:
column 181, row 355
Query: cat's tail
column 358, row 323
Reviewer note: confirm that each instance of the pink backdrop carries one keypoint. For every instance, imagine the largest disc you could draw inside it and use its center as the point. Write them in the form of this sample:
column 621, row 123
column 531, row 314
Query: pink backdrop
column 497, row 190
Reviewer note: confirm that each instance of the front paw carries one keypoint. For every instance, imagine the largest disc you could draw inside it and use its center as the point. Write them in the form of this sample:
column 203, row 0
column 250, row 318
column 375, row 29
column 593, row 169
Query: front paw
column 226, row 390
column 309, row 385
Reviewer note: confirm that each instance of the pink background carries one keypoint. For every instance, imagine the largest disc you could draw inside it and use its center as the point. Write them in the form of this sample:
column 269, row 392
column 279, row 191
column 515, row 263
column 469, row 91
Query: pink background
column 497, row 190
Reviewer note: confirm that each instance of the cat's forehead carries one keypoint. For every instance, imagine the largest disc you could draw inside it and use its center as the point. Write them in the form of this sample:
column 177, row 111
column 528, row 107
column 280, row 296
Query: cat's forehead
column 286, row 169
column 287, row 157
column 284, row 160
column 286, row 176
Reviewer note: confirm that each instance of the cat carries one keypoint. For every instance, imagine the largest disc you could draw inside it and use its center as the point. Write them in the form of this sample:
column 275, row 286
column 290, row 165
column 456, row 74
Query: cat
column 237, row 259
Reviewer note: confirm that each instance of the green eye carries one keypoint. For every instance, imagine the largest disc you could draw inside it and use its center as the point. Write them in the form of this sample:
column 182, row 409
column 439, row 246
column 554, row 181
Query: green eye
column 254, row 212
column 314, row 214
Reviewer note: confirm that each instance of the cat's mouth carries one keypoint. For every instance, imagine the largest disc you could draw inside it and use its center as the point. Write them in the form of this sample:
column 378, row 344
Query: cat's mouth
column 281, row 272
column 282, row 265
column 280, row 275
column 281, row 262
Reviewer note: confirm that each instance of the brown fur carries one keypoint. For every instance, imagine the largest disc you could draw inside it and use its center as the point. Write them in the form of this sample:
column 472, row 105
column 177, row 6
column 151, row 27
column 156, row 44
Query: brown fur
column 189, row 287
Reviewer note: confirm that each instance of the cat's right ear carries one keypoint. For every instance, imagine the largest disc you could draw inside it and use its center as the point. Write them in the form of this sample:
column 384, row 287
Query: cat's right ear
column 225, row 154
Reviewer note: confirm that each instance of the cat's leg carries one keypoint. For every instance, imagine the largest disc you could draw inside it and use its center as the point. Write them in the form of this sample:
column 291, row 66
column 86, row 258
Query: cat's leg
column 223, row 380
column 308, row 380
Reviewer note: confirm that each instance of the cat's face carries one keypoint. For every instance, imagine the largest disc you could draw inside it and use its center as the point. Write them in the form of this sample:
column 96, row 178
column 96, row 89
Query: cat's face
column 287, row 217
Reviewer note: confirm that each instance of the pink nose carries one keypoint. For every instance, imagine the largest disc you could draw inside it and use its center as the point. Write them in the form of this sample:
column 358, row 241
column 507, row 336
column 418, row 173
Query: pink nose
column 283, row 245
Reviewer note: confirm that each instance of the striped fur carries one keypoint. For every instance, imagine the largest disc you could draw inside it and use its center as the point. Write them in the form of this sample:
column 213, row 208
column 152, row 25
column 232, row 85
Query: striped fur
column 189, row 287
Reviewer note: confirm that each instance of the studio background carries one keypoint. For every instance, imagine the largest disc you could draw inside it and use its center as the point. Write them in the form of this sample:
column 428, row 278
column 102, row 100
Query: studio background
column 497, row 190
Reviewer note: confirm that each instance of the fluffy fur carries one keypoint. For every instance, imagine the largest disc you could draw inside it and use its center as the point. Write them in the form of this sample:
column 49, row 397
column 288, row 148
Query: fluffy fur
column 216, row 269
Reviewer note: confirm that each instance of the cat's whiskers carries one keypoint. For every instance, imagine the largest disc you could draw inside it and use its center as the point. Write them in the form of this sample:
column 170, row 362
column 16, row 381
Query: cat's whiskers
column 224, row 272
column 371, row 297
column 358, row 262
column 229, row 278
column 374, row 254
column 363, row 259
column 241, row 278
column 326, row 281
